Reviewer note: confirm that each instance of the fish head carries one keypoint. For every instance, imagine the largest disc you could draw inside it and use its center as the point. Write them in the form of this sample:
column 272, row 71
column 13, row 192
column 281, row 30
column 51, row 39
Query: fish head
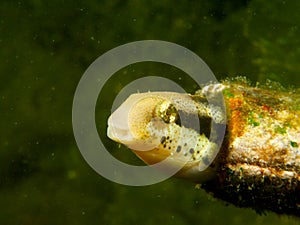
column 160, row 125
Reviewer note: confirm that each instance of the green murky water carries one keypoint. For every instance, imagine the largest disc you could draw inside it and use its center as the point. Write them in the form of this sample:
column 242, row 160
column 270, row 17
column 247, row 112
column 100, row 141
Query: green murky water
column 45, row 47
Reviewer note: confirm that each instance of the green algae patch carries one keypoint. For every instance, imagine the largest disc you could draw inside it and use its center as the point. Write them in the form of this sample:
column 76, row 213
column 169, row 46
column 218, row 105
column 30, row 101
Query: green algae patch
column 280, row 129
column 294, row 144
column 228, row 94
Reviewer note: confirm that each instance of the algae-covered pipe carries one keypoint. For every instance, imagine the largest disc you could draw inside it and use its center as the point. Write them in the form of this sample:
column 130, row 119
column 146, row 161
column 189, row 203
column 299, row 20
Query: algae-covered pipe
column 258, row 162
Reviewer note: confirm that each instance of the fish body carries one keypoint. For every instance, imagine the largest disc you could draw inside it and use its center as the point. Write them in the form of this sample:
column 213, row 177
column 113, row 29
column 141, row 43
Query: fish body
column 258, row 162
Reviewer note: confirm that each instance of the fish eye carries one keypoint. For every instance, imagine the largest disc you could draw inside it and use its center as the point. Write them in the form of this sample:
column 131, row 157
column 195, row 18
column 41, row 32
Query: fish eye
column 167, row 112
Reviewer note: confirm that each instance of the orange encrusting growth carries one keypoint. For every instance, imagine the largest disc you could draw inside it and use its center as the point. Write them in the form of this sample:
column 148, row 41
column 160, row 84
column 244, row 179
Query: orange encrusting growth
column 236, row 119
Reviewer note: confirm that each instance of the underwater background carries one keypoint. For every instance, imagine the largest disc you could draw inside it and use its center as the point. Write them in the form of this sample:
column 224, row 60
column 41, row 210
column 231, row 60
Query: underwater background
column 45, row 47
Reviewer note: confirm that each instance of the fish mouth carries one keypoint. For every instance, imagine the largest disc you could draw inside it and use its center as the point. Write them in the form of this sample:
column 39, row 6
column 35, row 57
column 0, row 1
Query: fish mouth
column 119, row 133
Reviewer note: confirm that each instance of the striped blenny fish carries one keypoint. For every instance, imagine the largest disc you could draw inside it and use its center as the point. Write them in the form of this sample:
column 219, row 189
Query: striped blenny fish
column 258, row 164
